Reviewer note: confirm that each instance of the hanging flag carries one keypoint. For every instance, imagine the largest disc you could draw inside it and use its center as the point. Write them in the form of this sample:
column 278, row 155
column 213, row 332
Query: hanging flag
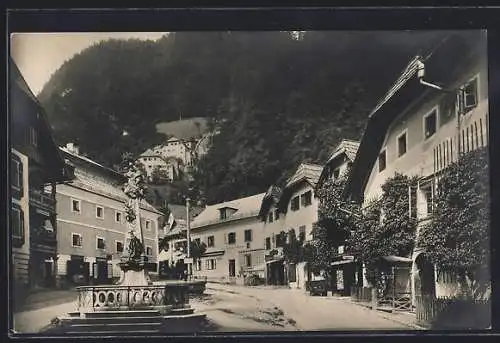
column 170, row 222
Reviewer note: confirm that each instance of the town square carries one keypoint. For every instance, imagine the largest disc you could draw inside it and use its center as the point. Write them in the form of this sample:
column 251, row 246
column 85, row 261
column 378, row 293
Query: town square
column 238, row 181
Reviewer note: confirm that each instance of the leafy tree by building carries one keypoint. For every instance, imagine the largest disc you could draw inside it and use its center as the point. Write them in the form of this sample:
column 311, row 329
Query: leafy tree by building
column 457, row 238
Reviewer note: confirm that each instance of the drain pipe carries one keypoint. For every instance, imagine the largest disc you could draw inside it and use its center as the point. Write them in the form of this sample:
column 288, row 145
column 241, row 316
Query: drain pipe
column 421, row 74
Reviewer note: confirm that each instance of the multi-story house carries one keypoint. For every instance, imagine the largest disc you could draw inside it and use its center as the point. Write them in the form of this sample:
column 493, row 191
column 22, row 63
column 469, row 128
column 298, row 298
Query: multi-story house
column 175, row 233
column 36, row 166
column 93, row 233
column 295, row 207
column 152, row 160
column 234, row 237
column 343, row 272
column 436, row 111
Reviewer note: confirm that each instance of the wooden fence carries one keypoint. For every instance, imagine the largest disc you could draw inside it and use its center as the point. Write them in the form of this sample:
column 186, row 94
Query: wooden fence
column 453, row 313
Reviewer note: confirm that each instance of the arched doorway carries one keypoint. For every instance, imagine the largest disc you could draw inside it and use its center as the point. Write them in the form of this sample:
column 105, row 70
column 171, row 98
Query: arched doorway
column 425, row 282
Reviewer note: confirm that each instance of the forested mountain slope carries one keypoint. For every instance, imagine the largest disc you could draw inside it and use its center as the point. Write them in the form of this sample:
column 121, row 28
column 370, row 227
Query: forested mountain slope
column 284, row 100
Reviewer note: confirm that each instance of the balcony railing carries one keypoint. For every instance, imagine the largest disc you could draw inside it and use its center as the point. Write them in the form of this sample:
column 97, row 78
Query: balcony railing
column 42, row 199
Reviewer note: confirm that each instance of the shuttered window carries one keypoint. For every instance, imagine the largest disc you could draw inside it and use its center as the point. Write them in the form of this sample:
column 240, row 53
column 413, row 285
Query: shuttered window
column 17, row 222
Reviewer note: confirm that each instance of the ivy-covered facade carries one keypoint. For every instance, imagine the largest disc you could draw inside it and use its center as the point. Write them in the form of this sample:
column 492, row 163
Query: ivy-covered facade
column 435, row 114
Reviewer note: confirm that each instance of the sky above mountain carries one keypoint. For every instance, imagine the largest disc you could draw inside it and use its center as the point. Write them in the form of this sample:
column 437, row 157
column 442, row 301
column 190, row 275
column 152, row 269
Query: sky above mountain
column 39, row 55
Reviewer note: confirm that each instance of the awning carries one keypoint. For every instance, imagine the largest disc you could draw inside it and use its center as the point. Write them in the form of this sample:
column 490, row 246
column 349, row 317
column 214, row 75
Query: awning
column 277, row 260
column 336, row 263
column 395, row 259
column 213, row 253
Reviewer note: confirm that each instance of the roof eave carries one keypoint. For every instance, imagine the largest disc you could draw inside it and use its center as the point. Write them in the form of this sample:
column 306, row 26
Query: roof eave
column 373, row 138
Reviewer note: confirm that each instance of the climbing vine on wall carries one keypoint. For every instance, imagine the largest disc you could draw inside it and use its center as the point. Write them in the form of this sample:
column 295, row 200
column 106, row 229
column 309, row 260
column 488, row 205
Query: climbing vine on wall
column 457, row 238
column 384, row 227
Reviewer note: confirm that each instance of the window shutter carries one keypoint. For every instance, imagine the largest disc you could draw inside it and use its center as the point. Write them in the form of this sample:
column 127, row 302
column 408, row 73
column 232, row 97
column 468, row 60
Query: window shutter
column 21, row 224
column 21, row 179
column 225, row 238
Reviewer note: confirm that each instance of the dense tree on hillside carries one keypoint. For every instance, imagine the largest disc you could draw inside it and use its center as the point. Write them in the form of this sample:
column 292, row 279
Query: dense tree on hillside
column 284, row 100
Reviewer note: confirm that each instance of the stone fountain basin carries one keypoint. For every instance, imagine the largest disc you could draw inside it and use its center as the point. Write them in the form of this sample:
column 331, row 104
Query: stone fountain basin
column 194, row 286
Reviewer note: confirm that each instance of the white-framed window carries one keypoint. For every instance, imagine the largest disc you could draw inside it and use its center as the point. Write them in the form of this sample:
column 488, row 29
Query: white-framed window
column 100, row 243
column 248, row 260
column 197, row 265
column 470, row 94
column 16, row 172
column 76, row 240
column 99, row 212
column 148, row 224
column 231, row 238
column 118, row 216
column 149, row 251
column 430, row 121
column 76, row 206
column 33, row 136
column 306, row 198
column 17, row 220
column 382, row 160
column 210, row 264
column 248, row 235
column 119, row 246
column 268, row 243
column 211, row 241
column 295, row 204
column 402, row 143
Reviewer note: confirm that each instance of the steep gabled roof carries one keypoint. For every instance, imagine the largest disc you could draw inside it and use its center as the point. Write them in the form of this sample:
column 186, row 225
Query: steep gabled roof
column 150, row 153
column 272, row 196
column 305, row 172
column 109, row 184
column 346, row 147
column 245, row 208
column 441, row 64
column 55, row 164
column 349, row 147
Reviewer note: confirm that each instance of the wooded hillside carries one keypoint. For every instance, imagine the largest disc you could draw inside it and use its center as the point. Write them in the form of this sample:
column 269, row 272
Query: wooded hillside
column 285, row 100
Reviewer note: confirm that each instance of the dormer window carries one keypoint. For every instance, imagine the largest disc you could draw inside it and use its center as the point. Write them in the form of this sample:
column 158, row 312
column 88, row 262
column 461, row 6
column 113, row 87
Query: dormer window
column 226, row 212
column 222, row 214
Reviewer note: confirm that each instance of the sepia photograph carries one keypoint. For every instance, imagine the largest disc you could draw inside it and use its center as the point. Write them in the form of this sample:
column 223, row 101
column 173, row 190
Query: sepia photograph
column 248, row 181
